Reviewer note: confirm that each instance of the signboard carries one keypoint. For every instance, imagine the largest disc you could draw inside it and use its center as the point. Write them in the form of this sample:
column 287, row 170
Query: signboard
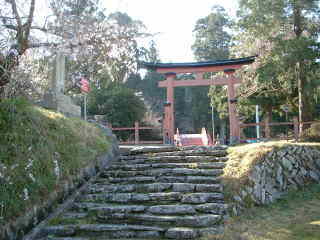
column 84, row 85
column 285, row 108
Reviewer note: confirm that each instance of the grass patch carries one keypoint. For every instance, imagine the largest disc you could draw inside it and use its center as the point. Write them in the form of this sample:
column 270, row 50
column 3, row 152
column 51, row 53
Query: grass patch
column 294, row 217
column 39, row 151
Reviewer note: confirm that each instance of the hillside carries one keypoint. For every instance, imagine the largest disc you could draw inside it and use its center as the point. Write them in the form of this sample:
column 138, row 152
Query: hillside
column 40, row 153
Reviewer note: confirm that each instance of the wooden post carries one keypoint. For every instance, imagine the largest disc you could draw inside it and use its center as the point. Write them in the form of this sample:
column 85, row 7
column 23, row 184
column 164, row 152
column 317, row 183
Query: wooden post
column 296, row 128
column 267, row 128
column 136, row 132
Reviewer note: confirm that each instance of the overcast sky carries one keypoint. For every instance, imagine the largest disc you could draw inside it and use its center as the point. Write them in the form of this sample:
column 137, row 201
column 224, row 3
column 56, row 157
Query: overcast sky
column 172, row 19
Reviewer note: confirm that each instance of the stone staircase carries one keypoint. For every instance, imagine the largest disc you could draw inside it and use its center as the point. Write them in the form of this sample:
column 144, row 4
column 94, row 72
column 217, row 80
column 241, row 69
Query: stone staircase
column 149, row 194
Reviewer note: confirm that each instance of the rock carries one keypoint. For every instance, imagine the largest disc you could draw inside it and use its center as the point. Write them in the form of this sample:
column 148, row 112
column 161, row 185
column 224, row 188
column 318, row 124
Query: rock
column 148, row 234
column 183, row 187
column 303, row 171
column 207, row 232
column 282, row 153
column 315, row 176
column 200, row 179
column 317, row 162
column 60, row 231
column 208, row 188
column 237, row 198
column 171, row 209
column 181, row 233
column 279, row 176
column 257, row 192
column 109, row 209
column 214, row 208
column 115, row 227
column 153, row 187
column 196, row 198
column 287, row 164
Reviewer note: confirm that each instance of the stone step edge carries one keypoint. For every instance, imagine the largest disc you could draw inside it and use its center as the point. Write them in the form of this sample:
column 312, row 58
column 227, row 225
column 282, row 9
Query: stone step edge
column 154, row 188
column 141, row 150
column 145, row 166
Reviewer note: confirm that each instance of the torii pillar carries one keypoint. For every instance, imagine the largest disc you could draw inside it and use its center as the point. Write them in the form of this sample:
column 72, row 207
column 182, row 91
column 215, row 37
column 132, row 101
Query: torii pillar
column 234, row 122
column 169, row 108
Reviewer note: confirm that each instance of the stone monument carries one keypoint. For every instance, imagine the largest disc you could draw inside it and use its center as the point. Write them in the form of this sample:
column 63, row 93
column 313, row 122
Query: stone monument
column 55, row 98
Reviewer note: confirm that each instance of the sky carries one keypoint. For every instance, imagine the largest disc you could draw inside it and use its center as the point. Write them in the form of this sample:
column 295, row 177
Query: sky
column 173, row 20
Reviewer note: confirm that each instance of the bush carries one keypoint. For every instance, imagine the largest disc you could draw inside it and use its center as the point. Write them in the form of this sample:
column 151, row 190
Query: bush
column 120, row 106
column 312, row 134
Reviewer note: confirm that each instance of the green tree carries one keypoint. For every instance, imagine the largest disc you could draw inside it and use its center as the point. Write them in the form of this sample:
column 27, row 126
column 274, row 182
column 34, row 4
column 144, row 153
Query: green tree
column 284, row 34
column 119, row 104
column 212, row 42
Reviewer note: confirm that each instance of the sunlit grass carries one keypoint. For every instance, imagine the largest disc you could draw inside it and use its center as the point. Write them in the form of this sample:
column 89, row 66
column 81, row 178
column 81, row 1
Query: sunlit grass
column 295, row 217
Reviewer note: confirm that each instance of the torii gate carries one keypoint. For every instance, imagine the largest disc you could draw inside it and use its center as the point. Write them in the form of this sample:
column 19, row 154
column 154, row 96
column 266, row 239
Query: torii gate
column 199, row 68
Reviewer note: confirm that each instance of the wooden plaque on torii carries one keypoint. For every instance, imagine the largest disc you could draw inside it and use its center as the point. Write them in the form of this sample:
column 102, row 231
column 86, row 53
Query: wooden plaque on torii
column 199, row 68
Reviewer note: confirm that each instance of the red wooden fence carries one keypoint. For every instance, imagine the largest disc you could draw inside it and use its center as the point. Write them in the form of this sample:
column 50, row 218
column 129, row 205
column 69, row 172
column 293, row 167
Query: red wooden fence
column 136, row 130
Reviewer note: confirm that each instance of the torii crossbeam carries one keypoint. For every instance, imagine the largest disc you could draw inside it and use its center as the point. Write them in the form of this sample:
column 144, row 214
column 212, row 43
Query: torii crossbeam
column 199, row 68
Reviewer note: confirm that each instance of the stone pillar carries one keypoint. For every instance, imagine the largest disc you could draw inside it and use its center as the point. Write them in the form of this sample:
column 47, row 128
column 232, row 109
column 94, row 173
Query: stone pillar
column 58, row 81
column 54, row 98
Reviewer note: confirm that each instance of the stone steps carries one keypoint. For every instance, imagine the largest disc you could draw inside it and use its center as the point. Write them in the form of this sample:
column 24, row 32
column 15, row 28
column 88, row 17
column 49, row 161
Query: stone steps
column 171, row 194
column 180, row 209
column 172, row 159
column 146, row 166
column 204, row 220
column 161, row 179
column 194, row 198
column 106, row 231
column 153, row 187
column 162, row 172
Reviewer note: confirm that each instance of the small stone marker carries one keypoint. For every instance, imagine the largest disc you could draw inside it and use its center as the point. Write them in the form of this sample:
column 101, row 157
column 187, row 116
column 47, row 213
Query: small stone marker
column 55, row 98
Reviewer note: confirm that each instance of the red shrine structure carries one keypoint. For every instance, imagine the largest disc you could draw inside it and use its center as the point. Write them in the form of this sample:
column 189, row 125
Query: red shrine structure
column 228, row 67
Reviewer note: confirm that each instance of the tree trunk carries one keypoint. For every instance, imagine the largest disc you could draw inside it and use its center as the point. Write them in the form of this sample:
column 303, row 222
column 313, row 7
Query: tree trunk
column 305, row 109
column 268, row 119
column 223, row 126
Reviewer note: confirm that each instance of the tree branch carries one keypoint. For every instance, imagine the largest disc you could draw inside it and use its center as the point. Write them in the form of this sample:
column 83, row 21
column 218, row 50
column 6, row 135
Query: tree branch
column 30, row 19
column 15, row 12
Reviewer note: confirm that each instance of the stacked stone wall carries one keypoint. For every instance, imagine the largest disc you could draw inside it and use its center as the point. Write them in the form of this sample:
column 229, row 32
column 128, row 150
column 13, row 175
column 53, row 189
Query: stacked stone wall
column 291, row 167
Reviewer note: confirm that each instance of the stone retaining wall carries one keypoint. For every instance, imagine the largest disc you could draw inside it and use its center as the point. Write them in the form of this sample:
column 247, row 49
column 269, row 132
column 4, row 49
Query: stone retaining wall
column 24, row 224
column 282, row 169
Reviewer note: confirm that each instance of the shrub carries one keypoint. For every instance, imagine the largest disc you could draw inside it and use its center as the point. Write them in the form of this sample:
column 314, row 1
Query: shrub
column 312, row 134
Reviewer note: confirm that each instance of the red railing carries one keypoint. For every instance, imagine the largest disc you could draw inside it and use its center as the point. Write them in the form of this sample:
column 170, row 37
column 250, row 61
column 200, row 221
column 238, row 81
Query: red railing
column 136, row 130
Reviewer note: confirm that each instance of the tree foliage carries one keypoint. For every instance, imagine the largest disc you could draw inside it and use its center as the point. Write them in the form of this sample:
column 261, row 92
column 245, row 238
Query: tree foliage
column 118, row 103
column 97, row 44
column 285, row 37
column 213, row 42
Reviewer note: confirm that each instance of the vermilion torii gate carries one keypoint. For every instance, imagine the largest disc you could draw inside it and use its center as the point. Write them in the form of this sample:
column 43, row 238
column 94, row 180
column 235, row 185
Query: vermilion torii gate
column 199, row 68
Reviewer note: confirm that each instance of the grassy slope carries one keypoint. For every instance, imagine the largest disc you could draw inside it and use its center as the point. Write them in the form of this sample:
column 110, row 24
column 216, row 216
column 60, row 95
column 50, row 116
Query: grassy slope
column 295, row 217
column 39, row 151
